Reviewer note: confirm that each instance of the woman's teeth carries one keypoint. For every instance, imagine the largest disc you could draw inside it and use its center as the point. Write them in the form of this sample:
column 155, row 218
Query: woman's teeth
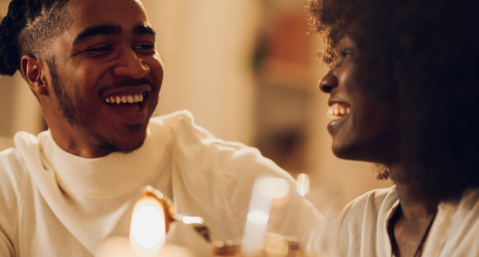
column 124, row 99
column 337, row 111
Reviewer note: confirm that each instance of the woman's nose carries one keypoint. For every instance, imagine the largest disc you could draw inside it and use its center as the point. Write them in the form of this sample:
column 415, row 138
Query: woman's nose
column 328, row 82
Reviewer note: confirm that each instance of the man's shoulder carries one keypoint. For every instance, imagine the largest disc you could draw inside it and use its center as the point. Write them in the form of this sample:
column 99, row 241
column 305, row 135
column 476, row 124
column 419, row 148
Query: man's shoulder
column 197, row 147
column 7, row 155
column 220, row 173
column 12, row 172
column 180, row 126
column 13, row 169
column 10, row 162
column 174, row 120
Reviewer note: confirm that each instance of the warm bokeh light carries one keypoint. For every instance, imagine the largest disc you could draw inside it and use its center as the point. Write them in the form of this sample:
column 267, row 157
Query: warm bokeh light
column 192, row 220
column 258, row 216
column 148, row 229
column 302, row 184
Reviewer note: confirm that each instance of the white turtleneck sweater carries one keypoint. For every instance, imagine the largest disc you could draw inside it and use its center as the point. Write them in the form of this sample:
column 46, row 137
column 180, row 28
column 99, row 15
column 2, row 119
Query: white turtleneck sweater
column 53, row 203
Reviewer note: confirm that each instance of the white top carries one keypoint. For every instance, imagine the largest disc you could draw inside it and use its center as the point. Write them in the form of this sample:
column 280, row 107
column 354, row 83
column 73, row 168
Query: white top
column 361, row 227
column 57, row 204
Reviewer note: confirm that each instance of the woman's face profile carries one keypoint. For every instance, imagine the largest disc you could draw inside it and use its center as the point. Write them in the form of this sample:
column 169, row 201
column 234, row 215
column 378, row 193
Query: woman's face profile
column 362, row 128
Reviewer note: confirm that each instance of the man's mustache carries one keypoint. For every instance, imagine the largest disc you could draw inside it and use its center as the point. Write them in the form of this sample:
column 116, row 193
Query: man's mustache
column 127, row 83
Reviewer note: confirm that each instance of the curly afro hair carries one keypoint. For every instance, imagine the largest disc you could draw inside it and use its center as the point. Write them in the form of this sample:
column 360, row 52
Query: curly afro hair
column 421, row 55
column 27, row 28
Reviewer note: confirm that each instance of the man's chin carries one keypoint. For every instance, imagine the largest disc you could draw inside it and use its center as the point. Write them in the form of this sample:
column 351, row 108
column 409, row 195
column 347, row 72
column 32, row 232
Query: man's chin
column 122, row 144
column 121, row 147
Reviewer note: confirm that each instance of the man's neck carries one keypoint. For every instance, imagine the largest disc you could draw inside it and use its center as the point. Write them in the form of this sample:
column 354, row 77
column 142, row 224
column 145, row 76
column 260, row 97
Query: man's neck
column 78, row 147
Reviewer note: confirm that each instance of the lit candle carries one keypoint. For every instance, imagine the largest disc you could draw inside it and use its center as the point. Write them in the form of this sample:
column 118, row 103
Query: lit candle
column 151, row 219
column 148, row 229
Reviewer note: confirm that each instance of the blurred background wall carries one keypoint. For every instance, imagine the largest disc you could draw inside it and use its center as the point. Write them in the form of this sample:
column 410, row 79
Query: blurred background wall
column 248, row 72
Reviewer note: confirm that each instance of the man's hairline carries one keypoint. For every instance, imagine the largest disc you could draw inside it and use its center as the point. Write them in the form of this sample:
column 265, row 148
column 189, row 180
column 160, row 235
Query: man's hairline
column 111, row 29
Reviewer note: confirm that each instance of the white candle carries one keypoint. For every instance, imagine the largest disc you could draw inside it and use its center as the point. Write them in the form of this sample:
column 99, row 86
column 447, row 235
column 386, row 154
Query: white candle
column 265, row 189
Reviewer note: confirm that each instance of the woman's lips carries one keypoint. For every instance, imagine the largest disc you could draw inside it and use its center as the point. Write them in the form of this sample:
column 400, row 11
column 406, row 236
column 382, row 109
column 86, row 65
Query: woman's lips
column 338, row 110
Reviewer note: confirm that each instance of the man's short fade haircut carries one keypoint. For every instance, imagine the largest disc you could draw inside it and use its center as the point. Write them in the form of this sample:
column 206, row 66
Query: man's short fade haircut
column 27, row 29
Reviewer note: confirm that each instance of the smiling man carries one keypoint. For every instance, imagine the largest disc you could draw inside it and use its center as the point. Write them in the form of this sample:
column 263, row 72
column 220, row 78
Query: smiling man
column 95, row 70
column 102, row 68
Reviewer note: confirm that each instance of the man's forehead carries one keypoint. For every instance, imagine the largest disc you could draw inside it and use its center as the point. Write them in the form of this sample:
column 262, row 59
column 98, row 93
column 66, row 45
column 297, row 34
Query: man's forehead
column 90, row 13
column 111, row 30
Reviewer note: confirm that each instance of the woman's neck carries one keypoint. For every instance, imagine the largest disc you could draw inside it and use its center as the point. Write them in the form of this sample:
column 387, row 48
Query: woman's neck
column 411, row 202
column 415, row 218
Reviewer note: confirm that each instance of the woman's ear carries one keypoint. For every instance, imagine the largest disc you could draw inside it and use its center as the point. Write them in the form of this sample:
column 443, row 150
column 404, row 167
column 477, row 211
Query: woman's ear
column 34, row 72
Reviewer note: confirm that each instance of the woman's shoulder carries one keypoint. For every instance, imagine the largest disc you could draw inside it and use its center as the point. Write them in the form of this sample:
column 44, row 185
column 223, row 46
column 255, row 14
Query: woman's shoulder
column 356, row 229
column 370, row 203
column 362, row 223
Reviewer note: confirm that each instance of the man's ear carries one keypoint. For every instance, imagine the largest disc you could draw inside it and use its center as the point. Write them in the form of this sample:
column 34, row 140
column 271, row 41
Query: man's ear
column 35, row 73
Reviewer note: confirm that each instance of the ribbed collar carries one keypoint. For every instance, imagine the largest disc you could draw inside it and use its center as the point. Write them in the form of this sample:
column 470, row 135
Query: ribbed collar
column 106, row 177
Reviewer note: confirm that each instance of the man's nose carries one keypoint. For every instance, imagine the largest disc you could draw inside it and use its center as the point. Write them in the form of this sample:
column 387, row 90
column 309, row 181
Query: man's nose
column 130, row 66
column 328, row 82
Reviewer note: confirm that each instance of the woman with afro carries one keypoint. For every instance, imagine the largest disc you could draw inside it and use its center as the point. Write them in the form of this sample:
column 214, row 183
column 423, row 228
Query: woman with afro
column 404, row 93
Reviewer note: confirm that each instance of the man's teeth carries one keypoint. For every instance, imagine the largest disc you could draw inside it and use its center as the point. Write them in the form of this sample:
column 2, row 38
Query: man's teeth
column 124, row 99
column 337, row 111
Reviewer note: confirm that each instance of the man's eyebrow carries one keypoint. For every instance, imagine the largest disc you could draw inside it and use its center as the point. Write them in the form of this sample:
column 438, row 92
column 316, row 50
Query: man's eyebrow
column 106, row 30
column 144, row 29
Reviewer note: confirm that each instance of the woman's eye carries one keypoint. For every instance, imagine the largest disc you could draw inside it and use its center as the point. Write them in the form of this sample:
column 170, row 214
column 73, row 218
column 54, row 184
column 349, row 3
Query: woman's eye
column 346, row 52
column 343, row 54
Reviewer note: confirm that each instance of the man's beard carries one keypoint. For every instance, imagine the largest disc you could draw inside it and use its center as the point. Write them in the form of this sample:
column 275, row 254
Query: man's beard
column 69, row 112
